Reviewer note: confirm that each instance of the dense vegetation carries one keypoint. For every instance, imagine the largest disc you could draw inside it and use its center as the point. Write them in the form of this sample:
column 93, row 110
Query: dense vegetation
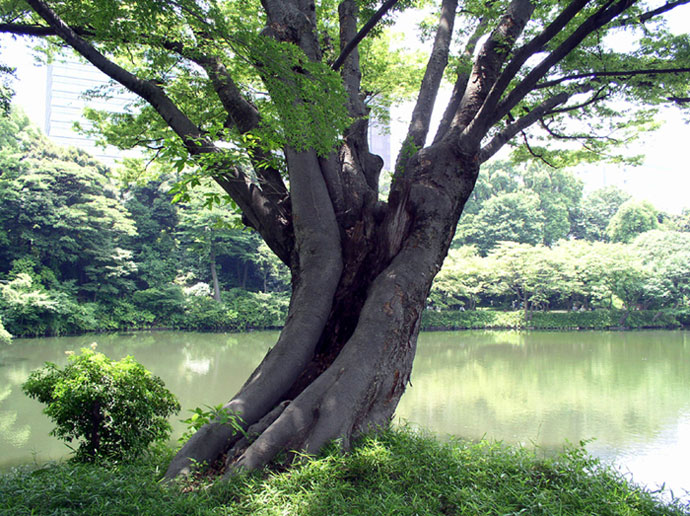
column 395, row 473
column 81, row 251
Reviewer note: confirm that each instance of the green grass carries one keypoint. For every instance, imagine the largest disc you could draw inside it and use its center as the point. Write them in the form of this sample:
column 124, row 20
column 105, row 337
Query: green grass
column 395, row 473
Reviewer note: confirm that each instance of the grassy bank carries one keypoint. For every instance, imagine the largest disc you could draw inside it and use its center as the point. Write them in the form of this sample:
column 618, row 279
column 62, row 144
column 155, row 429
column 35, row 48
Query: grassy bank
column 592, row 320
column 397, row 473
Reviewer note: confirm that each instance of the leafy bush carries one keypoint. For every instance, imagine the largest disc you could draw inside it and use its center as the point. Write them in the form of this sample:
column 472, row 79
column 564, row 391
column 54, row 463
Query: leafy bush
column 116, row 408
column 253, row 310
column 167, row 302
column 121, row 315
column 205, row 313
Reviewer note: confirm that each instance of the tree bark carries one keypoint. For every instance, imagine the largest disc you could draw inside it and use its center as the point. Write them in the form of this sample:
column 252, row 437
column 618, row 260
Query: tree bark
column 214, row 276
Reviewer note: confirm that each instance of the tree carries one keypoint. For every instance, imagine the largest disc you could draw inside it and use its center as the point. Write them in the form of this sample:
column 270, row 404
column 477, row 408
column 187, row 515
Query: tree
column 631, row 219
column 252, row 93
column 156, row 251
column 510, row 217
column 529, row 204
column 667, row 254
column 596, row 211
column 58, row 209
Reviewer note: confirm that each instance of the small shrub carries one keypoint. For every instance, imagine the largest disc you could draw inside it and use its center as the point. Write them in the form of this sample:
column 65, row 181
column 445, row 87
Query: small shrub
column 201, row 416
column 116, row 408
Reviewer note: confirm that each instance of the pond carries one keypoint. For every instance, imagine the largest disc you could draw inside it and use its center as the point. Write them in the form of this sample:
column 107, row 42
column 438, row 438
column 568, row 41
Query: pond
column 626, row 393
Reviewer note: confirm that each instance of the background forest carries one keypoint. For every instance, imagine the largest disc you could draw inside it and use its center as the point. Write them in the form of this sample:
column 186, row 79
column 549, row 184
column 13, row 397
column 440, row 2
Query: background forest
column 82, row 251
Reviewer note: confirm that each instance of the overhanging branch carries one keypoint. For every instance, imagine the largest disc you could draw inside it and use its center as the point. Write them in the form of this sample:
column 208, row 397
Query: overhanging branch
column 652, row 14
column 599, row 19
column 534, row 46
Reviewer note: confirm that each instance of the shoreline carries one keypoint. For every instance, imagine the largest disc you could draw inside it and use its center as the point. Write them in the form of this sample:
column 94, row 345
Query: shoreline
column 454, row 320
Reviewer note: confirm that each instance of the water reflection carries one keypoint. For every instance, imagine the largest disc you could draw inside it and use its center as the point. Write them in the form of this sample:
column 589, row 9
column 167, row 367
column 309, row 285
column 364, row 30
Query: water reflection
column 630, row 391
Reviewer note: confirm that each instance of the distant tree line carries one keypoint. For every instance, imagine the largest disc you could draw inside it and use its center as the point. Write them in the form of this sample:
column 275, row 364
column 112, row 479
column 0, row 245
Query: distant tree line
column 530, row 239
column 81, row 251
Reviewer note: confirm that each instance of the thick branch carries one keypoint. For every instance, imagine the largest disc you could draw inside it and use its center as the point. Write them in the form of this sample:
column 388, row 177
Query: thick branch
column 520, row 125
column 490, row 60
column 534, row 46
column 614, row 74
column 293, row 21
column 21, row 29
column 591, row 24
column 679, row 100
column 370, row 24
column 461, row 82
column 245, row 117
column 438, row 59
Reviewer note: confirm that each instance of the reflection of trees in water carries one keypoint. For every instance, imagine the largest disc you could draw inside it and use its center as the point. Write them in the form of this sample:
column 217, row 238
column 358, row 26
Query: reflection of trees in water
column 10, row 377
column 547, row 387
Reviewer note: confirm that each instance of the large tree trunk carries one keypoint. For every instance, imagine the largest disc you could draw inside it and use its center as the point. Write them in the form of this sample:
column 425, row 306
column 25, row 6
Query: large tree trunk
column 347, row 379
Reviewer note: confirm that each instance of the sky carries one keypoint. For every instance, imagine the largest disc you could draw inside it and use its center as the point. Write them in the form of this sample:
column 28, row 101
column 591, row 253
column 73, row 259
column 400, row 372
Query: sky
column 663, row 179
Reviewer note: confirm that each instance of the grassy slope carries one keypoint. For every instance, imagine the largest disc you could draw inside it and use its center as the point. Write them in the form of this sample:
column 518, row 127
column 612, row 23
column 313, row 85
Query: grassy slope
column 396, row 473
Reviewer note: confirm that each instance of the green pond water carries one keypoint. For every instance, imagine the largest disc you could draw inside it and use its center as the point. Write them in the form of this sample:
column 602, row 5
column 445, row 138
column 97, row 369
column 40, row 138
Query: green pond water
column 627, row 392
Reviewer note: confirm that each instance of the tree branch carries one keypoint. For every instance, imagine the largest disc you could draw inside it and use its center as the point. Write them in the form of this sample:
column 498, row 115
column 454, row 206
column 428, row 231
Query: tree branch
column 534, row 46
column 679, row 100
column 370, row 24
column 245, row 117
column 617, row 73
column 560, row 136
column 597, row 20
column 653, row 13
column 21, row 29
column 461, row 82
column 251, row 201
column 520, row 125
column 489, row 62
column 535, row 154
column 152, row 93
column 595, row 98
column 438, row 59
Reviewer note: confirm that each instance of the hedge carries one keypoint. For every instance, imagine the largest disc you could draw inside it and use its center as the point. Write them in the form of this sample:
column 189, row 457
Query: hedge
column 592, row 320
